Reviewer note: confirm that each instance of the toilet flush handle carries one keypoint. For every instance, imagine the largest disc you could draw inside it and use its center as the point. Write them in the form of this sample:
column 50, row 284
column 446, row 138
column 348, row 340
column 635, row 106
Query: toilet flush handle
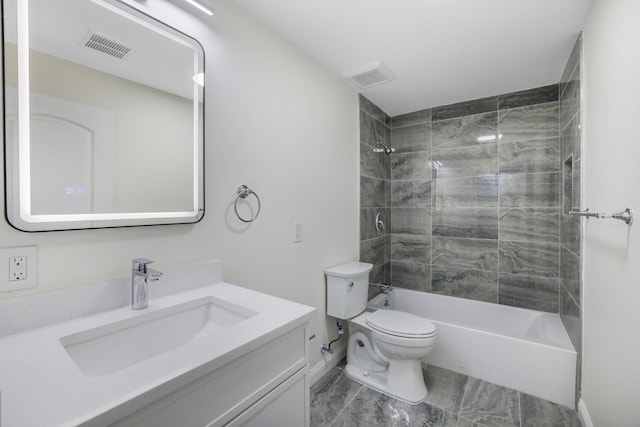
column 350, row 284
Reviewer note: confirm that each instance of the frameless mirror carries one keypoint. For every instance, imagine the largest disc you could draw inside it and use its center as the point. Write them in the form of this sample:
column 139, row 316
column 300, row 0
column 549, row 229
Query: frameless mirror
column 103, row 117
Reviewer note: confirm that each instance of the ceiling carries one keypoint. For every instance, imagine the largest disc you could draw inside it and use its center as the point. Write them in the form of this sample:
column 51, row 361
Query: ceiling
column 440, row 51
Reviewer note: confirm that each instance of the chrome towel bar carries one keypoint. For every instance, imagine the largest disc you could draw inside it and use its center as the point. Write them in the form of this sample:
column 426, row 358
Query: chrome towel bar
column 626, row 215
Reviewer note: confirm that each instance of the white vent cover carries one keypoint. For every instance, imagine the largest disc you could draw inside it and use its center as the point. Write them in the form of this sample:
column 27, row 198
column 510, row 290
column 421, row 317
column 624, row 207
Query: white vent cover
column 373, row 75
column 106, row 45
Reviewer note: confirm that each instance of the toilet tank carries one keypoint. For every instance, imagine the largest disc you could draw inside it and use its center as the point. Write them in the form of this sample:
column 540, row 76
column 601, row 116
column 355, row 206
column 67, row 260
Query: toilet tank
column 347, row 289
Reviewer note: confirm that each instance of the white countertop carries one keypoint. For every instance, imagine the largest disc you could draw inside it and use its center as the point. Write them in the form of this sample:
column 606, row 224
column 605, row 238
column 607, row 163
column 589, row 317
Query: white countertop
column 40, row 384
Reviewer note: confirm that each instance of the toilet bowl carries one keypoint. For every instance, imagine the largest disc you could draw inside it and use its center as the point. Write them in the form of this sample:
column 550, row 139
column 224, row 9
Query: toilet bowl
column 385, row 347
column 389, row 361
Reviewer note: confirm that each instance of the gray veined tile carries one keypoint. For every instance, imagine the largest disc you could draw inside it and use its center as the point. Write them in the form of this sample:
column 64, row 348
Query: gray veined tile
column 477, row 254
column 530, row 224
column 411, row 276
column 413, row 138
column 570, row 139
column 475, row 223
column 477, row 191
column 539, row 95
column 489, row 404
column 411, row 194
column 570, row 316
column 370, row 408
column 530, row 258
column 368, row 228
column 379, row 274
column 411, row 248
column 570, row 273
column 464, row 131
column 540, row 190
column 536, row 293
column 411, row 221
column 537, row 412
column 372, row 130
column 416, row 166
column 570, row 100
column 446, row 388
column 330, row 395
column 463, row 422
column 373, row 110
column 570, row 233
column 409, row 119
column 376, row 251
column 542, row 155
column 373, row 192
column 466, row 108
column 473, row 160
column 527, row 123
column 465, row 283
column 576, row 176
column 375, row 165
column 366, row 128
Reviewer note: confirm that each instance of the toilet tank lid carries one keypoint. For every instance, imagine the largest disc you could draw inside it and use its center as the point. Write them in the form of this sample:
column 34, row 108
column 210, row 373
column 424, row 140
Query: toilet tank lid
column 350, row 269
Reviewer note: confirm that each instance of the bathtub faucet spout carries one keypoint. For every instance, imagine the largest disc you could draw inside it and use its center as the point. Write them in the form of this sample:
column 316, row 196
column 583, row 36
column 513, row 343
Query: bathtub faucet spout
column 385, row 288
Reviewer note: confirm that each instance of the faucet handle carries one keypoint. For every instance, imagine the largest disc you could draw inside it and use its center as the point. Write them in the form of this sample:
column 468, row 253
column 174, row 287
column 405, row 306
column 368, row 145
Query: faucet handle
column 140, row 264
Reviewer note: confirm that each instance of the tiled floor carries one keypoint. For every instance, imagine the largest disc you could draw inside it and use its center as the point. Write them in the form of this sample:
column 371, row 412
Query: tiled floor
column 454, row 400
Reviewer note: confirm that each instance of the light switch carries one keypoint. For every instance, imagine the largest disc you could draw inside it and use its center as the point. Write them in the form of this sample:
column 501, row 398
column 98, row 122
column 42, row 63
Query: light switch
column 297, row 232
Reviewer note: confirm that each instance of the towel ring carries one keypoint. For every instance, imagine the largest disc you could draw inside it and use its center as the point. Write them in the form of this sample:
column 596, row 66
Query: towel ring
column 243, row 193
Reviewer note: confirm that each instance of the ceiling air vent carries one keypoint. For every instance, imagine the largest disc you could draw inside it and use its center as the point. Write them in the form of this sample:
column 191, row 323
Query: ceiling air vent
column 372, row 75
column 106, row 45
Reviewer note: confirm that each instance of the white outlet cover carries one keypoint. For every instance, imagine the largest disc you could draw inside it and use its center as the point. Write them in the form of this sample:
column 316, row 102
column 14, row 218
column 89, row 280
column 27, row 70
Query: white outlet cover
column 30, row 252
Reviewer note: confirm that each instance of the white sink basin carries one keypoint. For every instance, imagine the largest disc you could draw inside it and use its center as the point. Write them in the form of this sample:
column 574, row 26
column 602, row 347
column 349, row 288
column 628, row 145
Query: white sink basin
column 109, row 348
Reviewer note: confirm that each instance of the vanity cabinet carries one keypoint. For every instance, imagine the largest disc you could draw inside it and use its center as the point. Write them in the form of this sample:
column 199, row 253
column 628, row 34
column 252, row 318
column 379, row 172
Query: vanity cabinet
column 267, row 386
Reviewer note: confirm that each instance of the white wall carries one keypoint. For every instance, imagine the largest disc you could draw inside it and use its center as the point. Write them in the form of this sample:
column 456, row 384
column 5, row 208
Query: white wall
column 611, row 271
column 274, row 121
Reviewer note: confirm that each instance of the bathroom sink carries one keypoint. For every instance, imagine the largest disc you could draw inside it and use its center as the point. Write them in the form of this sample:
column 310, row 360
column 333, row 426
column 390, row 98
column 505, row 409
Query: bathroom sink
column 108, row 348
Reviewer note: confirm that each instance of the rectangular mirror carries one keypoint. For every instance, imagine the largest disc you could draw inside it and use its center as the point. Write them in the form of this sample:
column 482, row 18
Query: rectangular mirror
column 103, row 117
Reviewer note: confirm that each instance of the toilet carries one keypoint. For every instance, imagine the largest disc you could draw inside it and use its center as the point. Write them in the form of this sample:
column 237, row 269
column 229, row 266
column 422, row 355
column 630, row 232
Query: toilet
column 385, row 346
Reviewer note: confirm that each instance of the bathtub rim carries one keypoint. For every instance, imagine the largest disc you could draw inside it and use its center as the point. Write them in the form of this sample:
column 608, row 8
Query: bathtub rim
column 376, row 303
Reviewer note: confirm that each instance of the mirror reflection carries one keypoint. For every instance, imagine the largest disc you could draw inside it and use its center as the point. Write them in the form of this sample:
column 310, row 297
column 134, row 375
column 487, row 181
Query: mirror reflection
column 103, row 117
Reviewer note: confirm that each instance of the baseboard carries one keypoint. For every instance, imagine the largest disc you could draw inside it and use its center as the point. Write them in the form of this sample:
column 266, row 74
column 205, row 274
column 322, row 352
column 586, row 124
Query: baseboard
column 583, row 414
column 329, row 360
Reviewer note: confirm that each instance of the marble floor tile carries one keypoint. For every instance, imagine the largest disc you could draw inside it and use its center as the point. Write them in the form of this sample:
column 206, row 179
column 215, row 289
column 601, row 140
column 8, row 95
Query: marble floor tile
column 446, row 388
column 489, row 404
column 330, row 395
column 370, row 409
column 455, row 400
column 538, row 412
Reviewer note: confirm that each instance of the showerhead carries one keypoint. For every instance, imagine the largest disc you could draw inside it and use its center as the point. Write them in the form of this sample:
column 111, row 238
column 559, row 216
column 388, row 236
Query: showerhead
column 382, row 148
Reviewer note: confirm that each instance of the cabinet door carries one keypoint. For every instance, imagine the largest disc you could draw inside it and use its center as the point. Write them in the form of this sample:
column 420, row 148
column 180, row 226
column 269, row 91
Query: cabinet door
column 286, row 406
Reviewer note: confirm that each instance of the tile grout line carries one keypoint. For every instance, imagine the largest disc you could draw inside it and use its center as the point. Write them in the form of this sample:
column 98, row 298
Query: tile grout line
column 345, row 406
column 520, row 408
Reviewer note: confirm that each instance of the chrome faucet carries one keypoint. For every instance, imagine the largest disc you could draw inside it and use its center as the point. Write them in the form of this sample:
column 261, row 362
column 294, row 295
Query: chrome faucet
column 385, row 288
column 140, row 277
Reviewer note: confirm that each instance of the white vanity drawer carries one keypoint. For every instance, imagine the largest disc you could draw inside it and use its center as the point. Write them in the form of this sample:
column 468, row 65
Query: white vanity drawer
column 286, row 406
column 218, row 397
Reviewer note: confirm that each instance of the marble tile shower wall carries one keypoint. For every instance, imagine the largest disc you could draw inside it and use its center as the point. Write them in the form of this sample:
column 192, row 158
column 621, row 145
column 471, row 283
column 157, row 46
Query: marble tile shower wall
column 375, row 195
column 473, row 193
column 570, row 144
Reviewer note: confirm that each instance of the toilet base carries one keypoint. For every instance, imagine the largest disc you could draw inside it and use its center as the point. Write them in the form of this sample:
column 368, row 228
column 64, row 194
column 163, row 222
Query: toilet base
column 408, row 388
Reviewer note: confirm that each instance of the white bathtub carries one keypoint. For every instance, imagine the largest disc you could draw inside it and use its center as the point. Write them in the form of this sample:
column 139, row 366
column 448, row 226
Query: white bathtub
column 522, row 349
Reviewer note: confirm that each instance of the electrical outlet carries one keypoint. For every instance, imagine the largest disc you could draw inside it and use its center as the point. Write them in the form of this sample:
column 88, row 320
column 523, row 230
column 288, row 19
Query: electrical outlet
column 18, row 268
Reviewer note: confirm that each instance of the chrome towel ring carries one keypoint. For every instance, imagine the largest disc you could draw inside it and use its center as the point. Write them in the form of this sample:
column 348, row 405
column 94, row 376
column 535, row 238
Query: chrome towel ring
column 243, row 193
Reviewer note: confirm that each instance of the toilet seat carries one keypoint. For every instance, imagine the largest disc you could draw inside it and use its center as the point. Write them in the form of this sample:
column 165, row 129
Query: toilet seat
column 400, row 324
